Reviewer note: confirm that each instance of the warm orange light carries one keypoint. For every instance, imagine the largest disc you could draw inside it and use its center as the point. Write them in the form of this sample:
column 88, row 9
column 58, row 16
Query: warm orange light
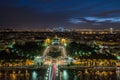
column 47, row 41
column 63, row 41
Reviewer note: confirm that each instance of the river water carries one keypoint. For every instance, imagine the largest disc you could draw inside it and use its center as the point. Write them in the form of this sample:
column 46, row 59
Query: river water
column 64, row 74
column 98, row 74
column 22, row 74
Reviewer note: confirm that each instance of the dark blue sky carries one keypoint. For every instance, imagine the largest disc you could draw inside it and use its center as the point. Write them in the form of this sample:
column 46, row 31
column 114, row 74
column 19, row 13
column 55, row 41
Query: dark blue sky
column 59, row 13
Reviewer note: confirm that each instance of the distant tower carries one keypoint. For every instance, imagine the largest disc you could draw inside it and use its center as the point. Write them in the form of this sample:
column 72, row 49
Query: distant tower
column 111, row 30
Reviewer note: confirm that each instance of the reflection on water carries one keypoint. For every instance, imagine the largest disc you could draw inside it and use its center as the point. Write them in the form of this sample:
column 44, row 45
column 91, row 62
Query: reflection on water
column 22, row 74
column 67, row 74
column 34, row 75
column 90, row 74
column 118, row 73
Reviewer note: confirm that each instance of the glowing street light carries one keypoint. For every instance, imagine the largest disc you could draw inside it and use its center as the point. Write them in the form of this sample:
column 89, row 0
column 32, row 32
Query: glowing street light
column 63, row 40
column 47, row 41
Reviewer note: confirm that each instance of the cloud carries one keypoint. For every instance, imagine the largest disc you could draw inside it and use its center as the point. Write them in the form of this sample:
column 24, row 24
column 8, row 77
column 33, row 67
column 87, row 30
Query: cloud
column 69, row 13
column 99, row 19
column 108, row 13
column 94, row 20
column 75, row 21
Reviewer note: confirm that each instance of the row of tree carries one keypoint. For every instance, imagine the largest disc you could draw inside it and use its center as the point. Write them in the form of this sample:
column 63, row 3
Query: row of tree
column 28, row 50
column 88, row 51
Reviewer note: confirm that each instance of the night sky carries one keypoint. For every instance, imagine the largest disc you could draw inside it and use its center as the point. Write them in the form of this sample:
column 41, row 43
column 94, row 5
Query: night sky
column 33, row 14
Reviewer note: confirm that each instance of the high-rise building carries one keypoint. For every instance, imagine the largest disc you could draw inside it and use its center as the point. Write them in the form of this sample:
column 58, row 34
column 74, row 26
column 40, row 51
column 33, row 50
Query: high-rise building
column 111, row 30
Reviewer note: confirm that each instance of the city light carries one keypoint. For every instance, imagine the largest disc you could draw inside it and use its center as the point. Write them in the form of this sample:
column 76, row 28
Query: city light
column 59, row 39
column 47, row 41
column 62, row 55
column 34, row 75
column 118, row 57
column 65, row 75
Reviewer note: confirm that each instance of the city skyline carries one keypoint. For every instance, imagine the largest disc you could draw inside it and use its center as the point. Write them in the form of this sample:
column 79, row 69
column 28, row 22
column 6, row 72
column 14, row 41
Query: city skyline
column 37, row 14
